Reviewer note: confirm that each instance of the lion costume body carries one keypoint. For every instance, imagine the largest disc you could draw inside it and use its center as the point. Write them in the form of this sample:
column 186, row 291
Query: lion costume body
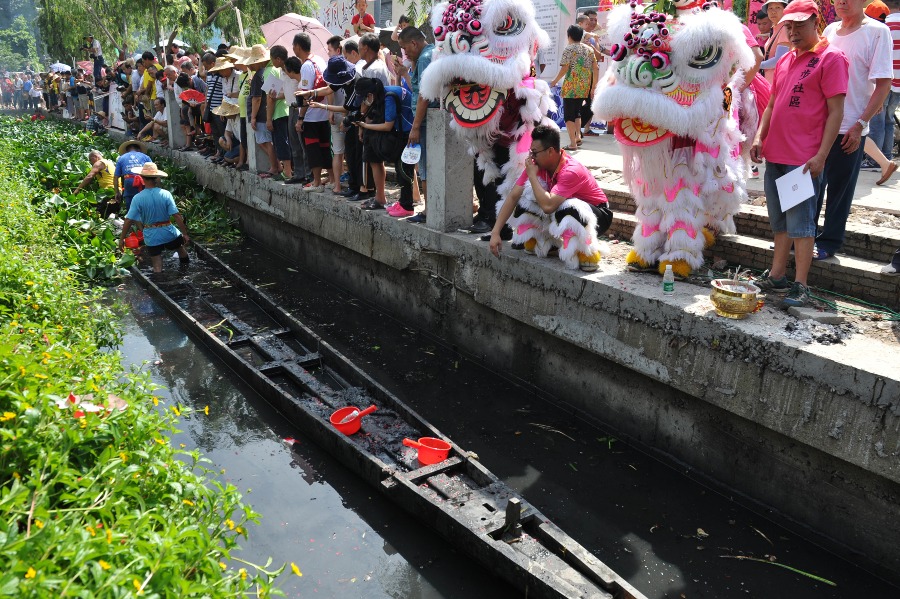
column 483, row 72
column 670, row 95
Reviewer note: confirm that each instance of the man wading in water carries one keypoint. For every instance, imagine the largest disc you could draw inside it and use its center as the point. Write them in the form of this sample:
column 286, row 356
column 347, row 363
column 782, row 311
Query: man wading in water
column 154, row 208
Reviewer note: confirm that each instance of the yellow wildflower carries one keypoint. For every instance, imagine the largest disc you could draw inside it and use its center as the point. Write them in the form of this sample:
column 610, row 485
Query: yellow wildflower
column 91, row 530
column 155, row 401
column 160, row 441
column 7, row 416
column 239, row 530
column 29, row 283
column 223, row 566
column 38, row 375
column 123, row 456
column 206, row 410
column 35, row 306
column 243, row 573
column 108, row 536
column 22, row 370
column 229, row 523
column 103, row 564
column 39, row 523
column 176, row 410
column 17, row 476
column 67, row 354
column 14, row 323
column 137, row 586
column 31, row 573
column 295, row 569
column 187, row 502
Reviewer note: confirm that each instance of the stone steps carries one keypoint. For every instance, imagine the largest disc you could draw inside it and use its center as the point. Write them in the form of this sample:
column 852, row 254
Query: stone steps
column 863, row 241
column 849, row 275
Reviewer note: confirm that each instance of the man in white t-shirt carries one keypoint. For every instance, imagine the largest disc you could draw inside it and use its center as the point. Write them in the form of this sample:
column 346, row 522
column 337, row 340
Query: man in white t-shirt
column 866, row 43
column 370, row 55
column 313, row 124
column 96, row 55
column 159, row 126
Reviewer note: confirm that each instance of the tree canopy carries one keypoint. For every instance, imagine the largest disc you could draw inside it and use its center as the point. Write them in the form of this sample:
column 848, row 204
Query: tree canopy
column 125, row 24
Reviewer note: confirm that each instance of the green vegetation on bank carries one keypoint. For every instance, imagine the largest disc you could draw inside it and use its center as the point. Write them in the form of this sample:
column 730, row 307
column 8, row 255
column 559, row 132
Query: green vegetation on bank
column 94, row 501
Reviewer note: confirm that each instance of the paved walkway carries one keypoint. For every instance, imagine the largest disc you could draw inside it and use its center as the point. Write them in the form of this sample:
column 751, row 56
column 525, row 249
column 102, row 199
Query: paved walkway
column 603, row 152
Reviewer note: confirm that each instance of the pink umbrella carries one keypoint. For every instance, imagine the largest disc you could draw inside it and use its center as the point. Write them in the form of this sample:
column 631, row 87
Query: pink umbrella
column 282, row 30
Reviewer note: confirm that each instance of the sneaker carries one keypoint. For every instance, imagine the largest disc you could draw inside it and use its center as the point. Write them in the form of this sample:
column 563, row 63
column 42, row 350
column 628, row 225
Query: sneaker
column 312, row 187
column 869, row 165
column 345, row 178
column 770, row 285
column 479, row 227
column 754, row 172
column 797, row 297
column 398, row 211
column 890, row 269
column 418, row 219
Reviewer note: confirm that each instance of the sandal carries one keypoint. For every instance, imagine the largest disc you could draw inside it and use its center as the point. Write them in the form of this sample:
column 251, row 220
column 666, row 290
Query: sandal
column 372, row 205
column 571, row 148
column 264, row 175
column 579, row 142
column 888, row 174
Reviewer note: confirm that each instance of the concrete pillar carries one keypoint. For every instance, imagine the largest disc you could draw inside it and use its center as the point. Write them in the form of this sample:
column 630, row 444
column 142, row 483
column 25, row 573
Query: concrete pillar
column 256, row 158
column 176, row 135
column 450, row 175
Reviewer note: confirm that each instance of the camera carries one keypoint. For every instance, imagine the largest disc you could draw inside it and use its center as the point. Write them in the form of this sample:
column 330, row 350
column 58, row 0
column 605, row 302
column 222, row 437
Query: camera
column 352, row 118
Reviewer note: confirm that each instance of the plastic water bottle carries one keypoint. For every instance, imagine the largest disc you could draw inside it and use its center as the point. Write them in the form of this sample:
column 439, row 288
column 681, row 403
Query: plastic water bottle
column 350, row 417
column 669, row 281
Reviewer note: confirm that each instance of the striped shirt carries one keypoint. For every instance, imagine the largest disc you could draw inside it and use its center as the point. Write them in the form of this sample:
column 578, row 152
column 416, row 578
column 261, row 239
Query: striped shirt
column 213, row 90
column 893, row 23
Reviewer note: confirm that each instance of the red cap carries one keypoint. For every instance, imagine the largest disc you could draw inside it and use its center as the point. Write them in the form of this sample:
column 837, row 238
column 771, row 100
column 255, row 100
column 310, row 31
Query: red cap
column 800, row 10
column 878, row 10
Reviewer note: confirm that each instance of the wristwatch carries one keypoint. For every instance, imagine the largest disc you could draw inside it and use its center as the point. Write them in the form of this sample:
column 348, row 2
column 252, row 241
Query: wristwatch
column 863, row 123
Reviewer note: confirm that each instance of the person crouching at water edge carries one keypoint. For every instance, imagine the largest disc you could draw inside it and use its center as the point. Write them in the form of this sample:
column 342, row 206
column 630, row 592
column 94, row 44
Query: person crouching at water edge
column 155, row 208
column 556, row 205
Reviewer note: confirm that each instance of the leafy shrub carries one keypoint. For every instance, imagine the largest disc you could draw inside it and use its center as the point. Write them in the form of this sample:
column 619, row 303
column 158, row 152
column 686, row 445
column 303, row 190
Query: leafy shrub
column 53, row 155
column 92, row 503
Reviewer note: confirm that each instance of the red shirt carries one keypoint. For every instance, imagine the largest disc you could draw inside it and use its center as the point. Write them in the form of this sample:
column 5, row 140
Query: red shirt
column 801, row 89
column 368, row 20
column 571, row 180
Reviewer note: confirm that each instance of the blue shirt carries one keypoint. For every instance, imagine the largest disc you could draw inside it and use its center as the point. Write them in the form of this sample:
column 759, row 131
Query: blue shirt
column 27, row 86
column 390, row 108
column 124, row 165
column 416, row 77
column 153, row 206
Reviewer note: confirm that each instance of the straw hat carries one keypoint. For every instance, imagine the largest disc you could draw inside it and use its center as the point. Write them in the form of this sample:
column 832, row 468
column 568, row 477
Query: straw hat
column 236, row 53
column 222, row 64
column 226, row 109
column 257, row 55
column 148, row 170
column 132, row 142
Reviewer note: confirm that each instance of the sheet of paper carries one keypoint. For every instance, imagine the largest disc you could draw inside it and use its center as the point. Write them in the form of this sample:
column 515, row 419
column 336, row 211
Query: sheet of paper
column 272, row 84
column 794, row 188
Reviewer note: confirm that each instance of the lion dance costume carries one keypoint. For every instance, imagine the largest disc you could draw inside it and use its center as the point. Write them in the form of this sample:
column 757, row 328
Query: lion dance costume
column 670, row 93
column 483, row 71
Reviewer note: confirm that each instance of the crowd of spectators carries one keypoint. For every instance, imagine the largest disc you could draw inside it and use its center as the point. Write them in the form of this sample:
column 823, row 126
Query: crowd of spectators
column 337, row 121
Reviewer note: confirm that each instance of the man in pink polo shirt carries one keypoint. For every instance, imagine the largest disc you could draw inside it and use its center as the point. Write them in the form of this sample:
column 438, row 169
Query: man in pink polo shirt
column 555, row 203
column 797, row 130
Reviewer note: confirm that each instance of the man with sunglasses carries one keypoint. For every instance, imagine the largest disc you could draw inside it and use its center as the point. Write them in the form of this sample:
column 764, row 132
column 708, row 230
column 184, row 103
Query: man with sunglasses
column 555, row 203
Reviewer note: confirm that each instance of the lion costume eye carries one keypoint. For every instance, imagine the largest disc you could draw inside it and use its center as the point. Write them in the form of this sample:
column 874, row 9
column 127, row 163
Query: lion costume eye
column 510, row 26
column 707, row 58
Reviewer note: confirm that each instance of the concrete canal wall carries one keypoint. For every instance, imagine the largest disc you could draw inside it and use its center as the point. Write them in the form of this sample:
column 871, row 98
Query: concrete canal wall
column 811, row 430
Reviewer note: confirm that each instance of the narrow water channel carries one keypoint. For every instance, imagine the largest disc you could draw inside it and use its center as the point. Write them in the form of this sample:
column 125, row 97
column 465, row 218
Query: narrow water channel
column 348, row 540
column 652, row 522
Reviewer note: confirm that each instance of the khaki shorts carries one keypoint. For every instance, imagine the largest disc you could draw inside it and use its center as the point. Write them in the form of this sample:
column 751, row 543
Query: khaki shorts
column 83, row 102
column 337, row 139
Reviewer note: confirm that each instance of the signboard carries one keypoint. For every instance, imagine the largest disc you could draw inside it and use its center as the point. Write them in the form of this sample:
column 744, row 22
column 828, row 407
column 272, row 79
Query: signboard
column 552, row 20
column 335, row 15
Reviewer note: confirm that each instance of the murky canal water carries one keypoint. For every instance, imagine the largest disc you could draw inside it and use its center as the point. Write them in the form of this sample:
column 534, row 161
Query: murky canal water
column 348, row 540
column 654, row 524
